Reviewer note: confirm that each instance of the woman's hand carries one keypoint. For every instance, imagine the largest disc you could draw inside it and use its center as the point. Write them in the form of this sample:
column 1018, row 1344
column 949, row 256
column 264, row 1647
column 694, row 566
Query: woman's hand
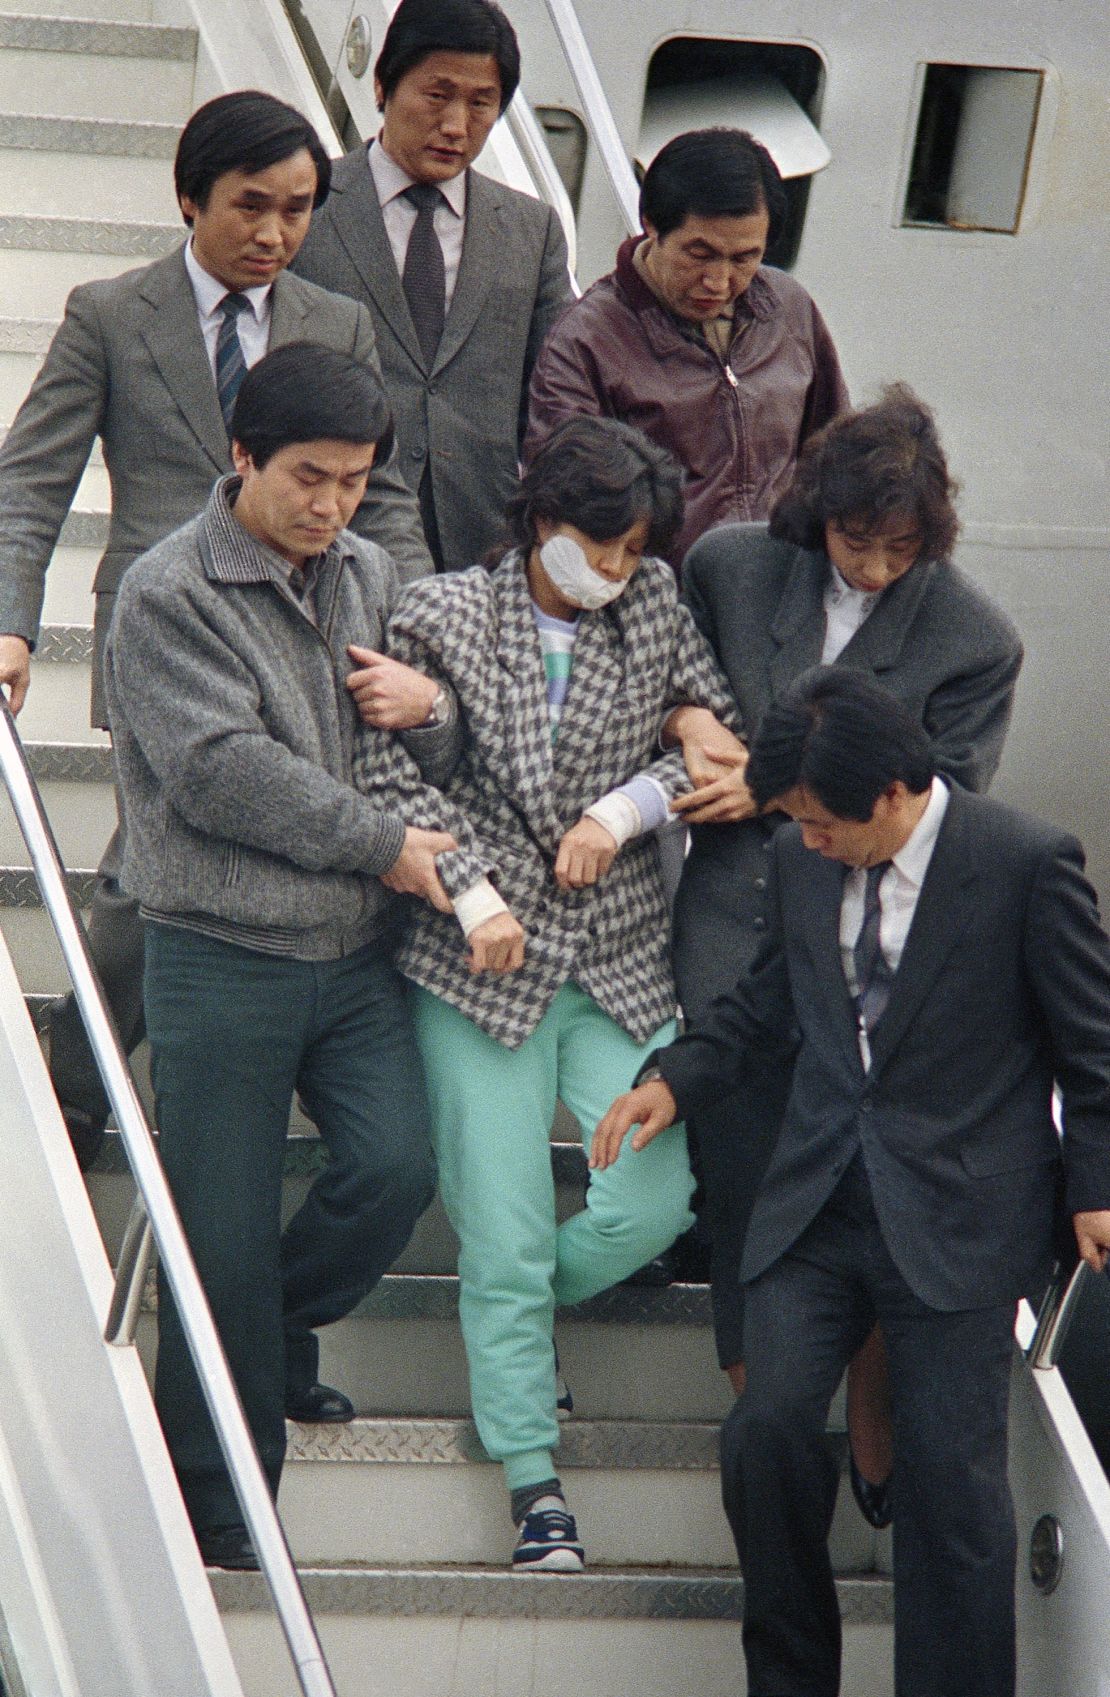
column 497, row 945
column 709, row 748
column 585, row 854
column 389, row 694
column 722, row 801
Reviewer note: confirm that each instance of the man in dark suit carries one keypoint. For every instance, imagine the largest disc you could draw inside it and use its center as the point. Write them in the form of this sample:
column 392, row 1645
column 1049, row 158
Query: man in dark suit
column 941, row 985
column 463, row 276
column 151, row 362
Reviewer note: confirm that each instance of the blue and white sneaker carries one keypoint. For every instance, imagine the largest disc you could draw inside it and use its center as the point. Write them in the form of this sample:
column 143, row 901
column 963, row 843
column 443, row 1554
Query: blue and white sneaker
column 548, row 1541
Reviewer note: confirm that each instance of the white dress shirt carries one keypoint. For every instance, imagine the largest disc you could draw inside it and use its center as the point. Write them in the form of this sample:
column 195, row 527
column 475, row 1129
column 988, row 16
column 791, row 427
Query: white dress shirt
column 253, row 326
column 899, row 889
column 845, row 610
column 399, row 214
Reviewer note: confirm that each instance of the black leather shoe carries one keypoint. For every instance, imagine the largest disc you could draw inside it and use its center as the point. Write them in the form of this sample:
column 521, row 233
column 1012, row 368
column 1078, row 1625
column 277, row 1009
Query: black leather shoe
column 875, row 1501
column 228, row 1546
column 85, row 1134
column 319, row 1405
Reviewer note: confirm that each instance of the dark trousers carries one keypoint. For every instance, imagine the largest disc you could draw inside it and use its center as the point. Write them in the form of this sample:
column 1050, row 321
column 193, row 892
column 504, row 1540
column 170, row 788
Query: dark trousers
column 233, row 1034
column 115, row 934
column 954, row 1539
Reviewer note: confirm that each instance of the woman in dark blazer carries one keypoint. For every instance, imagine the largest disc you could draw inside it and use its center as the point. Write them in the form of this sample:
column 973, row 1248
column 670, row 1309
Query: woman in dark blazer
column 853, row 568
column 548, row 973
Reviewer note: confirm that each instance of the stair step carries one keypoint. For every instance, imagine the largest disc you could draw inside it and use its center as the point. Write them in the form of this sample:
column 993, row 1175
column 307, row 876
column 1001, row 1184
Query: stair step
column 476, row 1632
column 85, row 529
column 408, row 1490
column 115, row 11
column 64, row 645
column 493, row 1593
column 433, row 1248
column 25, row 28
column 58, row 78
column 87, row 235
column 33, row 279
column 73, row 762
column 400, row 1353
column 123, row 172
column 69, row 596
column 57, row 708
column 82, row 817
column 119, row 138
column 19, row 887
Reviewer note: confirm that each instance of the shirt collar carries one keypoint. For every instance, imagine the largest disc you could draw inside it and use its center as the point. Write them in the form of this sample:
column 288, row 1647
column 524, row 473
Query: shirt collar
column 233, row 555
column 691, row 326
column 912, row 859
column 840, row 591
column 390, row 180
column 210, row 292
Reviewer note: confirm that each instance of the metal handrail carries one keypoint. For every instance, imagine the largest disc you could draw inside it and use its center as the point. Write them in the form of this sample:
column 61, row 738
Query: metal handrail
column 599, row 113
column 238, row 1448
column 1056, row 1313
column 530, row 139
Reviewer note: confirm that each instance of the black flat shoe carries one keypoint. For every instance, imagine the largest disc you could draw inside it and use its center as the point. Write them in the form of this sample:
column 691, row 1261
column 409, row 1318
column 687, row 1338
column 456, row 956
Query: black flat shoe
column 875, row 1502
column 319, row 1405
column 229, row 1547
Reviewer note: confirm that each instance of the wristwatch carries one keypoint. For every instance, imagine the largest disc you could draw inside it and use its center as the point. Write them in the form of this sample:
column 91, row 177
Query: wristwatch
column 651, row 1076
column 440, row 710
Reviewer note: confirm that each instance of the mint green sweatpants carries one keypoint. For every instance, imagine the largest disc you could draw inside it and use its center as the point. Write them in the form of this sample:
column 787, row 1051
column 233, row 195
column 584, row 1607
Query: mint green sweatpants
column 491, row 1110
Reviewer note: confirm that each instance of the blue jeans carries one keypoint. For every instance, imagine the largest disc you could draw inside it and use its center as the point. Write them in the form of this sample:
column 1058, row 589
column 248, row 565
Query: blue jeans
column 233, row 1034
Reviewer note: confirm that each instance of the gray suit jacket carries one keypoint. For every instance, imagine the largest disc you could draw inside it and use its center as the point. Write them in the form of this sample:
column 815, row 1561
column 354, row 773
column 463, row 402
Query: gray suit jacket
column 464, row 417
column 1003, row 988
column 129, row 364
column 514, row 795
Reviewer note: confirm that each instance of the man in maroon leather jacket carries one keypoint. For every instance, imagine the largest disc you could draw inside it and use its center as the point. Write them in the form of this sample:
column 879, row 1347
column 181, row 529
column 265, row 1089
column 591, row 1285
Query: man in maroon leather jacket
column 723, row 360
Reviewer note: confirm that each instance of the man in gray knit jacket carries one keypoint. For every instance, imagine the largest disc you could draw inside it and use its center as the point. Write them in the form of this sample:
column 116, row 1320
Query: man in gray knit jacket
column 264, row 879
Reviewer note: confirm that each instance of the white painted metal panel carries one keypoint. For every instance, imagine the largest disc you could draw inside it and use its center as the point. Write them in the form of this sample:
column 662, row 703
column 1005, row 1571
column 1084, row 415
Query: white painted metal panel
column 1062, row 1637
column 101, row 1585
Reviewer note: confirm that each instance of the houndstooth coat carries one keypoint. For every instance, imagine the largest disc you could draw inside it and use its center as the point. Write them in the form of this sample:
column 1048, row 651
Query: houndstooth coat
column 514, row 794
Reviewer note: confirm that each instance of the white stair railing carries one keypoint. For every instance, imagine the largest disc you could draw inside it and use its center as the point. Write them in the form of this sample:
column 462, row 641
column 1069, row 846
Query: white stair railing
column 35, row 1371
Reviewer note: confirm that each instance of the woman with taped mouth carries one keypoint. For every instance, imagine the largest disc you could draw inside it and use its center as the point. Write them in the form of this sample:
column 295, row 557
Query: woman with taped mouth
column 552, row 976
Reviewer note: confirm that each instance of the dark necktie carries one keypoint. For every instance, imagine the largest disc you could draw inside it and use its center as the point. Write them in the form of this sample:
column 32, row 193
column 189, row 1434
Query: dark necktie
column 425, row 278
column 873, row 976
column 230, row 365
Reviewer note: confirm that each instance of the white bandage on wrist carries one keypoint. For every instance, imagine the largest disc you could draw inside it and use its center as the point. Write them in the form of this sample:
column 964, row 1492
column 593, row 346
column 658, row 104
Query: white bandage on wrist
column 619, row 815
column 477, row 904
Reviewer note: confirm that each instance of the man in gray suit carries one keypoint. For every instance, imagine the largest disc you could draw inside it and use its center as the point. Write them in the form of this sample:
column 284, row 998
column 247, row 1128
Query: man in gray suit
column 151, row 363
column 942, row 958
column 463, row 277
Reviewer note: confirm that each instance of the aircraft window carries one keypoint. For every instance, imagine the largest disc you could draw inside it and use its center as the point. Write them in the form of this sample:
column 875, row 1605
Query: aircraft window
column 971, row 152
column 566, row 139
column 773, row 89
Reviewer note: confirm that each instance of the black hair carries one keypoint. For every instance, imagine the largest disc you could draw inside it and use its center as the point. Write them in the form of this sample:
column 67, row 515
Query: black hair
column 717, row 173
column 245, row 131
column 420, row 27
column 843, row 737
column 603, row 477
column 302, row 392
column 867, row 467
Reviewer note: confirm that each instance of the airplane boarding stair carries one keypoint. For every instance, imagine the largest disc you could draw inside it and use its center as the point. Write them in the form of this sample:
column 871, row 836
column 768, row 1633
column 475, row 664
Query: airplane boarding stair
column 398, row 1526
